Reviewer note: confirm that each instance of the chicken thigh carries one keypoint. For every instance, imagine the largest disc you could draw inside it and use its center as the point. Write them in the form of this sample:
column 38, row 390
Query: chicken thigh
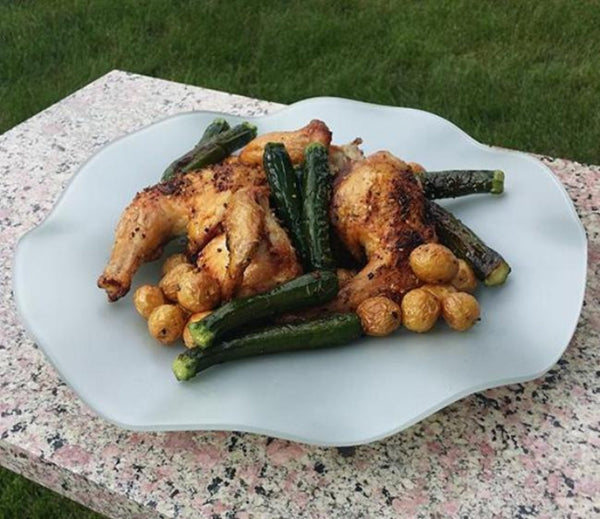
column 378, row 211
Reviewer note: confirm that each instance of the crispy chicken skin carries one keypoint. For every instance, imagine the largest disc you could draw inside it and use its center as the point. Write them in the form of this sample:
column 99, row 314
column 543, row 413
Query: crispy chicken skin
column 273, row 262
column 294, row 142
column 244, row 225
column 378, row 211
column 196, row 204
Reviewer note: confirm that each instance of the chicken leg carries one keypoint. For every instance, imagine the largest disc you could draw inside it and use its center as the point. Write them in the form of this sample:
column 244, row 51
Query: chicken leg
column 378, row 211
column 197, row 200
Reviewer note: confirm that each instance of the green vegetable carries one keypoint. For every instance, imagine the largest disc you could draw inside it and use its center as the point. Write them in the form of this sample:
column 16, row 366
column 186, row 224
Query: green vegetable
column 331, row 331
column 316, row 195
column 299, row 170
column 285, row 193
column 217, row 126
column 453, row 183
column 489, row 266
column 222, row 145
column 213, row 149
column 304, row 291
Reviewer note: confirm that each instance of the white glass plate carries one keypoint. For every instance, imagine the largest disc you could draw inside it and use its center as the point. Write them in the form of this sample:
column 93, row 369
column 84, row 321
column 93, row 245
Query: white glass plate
column 343, row 396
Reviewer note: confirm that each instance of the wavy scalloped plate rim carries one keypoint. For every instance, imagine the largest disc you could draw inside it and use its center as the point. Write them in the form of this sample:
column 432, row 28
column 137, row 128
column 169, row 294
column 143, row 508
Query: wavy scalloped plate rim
column 337, row 397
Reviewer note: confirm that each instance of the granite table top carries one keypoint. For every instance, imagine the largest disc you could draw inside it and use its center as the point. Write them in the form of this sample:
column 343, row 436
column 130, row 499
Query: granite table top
column 525, row 450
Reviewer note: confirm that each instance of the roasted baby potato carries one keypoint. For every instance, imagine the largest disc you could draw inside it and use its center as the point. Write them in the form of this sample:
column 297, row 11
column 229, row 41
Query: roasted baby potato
column 172, row 261
column 420, row 310
column 169, row 284
column 147, row 298
column 439, row 291
column 198, row 291
column 379, row 316
column 166, row 323
column 433, row 263
column 460, row 311
column 187, row 336
column 464, row 280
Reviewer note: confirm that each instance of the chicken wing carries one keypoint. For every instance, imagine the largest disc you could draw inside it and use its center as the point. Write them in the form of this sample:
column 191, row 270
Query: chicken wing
column 273, row 262
column 244, row 224
column 378, row 211
column 294, row 142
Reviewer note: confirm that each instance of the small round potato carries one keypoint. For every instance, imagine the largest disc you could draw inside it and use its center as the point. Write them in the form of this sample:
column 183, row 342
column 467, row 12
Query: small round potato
column 172, row 261
column 147, row 298
column 198, row 291
column 433, row 263
column 460, row 311
column 169, row 284
column 344, row 276
column 379, row 316
column 465, row 279
column 420, row 310
column 166, row 323
column 439, row 291
column 187, row 336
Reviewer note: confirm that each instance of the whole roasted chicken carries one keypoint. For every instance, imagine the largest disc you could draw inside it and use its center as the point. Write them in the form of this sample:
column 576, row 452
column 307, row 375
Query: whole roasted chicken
column 377, row 211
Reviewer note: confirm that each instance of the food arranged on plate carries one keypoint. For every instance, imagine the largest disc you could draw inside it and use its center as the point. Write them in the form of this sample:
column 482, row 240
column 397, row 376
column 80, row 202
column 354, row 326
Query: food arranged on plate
column 297, row 243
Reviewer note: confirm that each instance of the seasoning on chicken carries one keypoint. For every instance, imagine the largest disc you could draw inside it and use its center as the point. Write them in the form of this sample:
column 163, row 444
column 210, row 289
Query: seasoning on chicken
column 378, row 211
column 196, row 204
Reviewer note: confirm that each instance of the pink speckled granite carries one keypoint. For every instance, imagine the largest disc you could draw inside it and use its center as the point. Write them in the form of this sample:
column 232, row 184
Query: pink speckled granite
column 527, row 450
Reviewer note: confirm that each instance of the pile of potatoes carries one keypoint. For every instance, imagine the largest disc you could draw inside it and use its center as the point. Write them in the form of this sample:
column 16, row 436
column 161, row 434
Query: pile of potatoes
column 183, row 295
column 446, row 292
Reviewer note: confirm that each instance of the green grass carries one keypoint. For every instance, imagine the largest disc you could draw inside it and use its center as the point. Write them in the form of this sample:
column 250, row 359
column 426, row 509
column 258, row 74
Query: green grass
column 521, row 74
column 21, row 498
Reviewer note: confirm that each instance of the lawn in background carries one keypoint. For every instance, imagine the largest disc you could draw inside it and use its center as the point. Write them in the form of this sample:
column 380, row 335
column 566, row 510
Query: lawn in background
column 520, row 74
column 23, row 499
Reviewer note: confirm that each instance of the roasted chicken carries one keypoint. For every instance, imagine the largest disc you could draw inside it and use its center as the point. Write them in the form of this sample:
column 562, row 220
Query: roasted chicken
column 378, row 212
column 294, row 142
column 196, row 205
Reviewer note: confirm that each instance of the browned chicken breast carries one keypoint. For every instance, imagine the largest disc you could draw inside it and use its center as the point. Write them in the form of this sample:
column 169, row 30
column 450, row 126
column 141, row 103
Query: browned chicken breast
column 378, row 211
